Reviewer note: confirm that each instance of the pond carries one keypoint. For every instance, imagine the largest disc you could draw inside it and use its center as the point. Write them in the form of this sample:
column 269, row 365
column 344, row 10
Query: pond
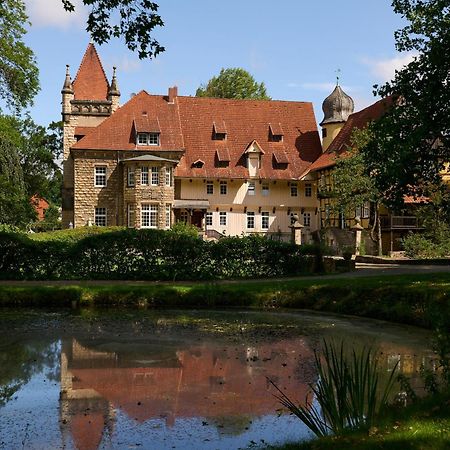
column 88, row 379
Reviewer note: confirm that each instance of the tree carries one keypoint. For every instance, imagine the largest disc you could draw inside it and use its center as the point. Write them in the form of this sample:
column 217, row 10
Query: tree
column 233, row 83
column 37, row 150
column 15, row 207
column 412, row 141
column 354, row 186
column 136, row 21
column 19, row 76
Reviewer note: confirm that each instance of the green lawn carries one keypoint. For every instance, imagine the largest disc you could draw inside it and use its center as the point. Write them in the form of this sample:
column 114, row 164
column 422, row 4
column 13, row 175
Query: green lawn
column 413, row 299
column 424, row 426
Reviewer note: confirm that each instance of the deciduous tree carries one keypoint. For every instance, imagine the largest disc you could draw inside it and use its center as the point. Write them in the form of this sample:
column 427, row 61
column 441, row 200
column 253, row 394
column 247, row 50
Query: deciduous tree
column 233, row 83
column 412, row 141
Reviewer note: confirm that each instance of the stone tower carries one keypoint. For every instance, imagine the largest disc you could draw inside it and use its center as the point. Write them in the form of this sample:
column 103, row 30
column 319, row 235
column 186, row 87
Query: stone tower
column 86, row 102
column 336, row 108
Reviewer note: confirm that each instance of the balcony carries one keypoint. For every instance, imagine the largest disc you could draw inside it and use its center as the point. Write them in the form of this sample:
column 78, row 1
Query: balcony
column 400, row 223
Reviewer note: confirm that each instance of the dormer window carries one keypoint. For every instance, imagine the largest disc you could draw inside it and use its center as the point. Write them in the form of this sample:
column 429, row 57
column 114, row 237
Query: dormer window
column 222, row 158
column 254, row 153
column 148, row 139
column 198, row 164
column 219, row 131
column 275, row 132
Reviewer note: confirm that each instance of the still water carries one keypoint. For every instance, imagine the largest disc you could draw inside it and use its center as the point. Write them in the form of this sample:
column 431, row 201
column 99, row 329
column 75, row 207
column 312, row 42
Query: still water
column 167, row 380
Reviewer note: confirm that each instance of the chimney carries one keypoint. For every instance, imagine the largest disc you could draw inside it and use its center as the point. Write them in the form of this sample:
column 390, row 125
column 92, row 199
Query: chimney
column 173, row 94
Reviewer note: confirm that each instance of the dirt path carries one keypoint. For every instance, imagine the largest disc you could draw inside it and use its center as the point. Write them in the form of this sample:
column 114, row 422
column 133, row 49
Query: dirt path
column 362, row 270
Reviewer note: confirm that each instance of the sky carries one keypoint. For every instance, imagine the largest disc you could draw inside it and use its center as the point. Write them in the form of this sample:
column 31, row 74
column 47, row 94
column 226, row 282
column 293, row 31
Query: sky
column 294, row 46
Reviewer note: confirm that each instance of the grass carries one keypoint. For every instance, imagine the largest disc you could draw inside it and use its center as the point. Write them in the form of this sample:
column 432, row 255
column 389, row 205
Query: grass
column 422, row 426
column 350, row 391
column 412, row 299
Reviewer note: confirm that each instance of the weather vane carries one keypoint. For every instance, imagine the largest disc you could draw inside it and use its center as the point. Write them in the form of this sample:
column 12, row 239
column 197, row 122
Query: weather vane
column 338, row 73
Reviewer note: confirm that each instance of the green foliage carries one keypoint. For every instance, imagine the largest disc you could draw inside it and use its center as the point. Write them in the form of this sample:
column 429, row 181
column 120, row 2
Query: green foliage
column 433, row 243
column 412, row 140
column 352, row 184
column 96, row 253
column 350, row 392
column 233, row 83
column 134, row 20
column 19, row 76
column 184, row 228
column 28, row 154
column 15, row 208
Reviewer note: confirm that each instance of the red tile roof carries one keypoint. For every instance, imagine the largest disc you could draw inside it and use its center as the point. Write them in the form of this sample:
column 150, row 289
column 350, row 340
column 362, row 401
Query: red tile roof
column 342, row 141
column 90, row 82
column 117, row 132
column 40, row 205
column 188, row 124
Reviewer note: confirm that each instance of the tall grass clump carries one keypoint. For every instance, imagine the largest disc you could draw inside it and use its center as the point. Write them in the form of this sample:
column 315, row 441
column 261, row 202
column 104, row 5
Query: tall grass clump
column 351, row 392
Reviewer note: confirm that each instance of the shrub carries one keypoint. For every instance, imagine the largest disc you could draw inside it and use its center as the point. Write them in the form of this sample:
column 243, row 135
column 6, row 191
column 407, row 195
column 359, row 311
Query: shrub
column 118, row 253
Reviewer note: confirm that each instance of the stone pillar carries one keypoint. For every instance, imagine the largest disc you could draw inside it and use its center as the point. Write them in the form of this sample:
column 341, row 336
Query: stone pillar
column 357, row 228
column 296, row 230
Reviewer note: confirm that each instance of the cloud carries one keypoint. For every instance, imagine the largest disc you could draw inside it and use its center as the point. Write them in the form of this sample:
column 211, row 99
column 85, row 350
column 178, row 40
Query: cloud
column 50, row 13
column 384, row 69
column 125, row 64
column 322, row 87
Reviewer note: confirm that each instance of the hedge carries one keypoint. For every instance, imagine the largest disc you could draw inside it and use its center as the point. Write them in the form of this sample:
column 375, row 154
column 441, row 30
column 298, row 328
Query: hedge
column 151, row 255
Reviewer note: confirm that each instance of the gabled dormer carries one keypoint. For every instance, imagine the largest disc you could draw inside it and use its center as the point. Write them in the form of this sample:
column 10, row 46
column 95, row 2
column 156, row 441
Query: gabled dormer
column 219, row 132
column 147, row 130
column 254, row 153
column 275, row 132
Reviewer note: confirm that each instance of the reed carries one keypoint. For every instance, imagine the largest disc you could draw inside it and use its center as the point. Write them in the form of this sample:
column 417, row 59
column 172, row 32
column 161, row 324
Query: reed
column 350, row 391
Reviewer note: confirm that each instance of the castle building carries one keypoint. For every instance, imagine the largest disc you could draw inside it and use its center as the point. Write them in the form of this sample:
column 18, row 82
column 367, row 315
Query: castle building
column 230, row 167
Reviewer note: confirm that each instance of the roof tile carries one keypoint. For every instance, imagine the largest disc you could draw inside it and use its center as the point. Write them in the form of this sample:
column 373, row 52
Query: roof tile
column 90, row 82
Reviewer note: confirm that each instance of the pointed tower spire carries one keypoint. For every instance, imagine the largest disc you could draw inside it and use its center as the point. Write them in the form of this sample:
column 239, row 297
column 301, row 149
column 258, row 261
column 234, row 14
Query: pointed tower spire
column 113, row 92
column 113, row 89
column 91, row 82
column 67, row 87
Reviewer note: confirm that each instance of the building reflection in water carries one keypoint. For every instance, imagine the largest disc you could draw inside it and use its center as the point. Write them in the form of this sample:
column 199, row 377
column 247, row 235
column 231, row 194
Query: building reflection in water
column 210, row 382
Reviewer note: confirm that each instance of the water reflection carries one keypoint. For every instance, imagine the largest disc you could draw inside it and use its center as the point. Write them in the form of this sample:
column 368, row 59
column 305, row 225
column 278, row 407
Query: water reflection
column 212, row 382
column 116, row 388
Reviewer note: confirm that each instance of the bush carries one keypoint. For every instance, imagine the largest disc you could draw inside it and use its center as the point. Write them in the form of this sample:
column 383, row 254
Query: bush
column 422, row 246
column 129, row 254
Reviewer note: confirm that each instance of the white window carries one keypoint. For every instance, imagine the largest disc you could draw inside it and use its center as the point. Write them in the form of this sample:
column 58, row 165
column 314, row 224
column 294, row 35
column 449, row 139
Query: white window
column 307, row 219
column 265, row 189
column 308, row 190
column 168, row 176
column 155, row 176
column 130, row 215
column 100, row 176
column 100, row 217
column 223, row 188
column 168, row 216
column 209, row 219
column 148, row 138
column 144, row 176
column 149, row 216
column 251, row 188
column 294, row 190
column 363, row 212
column 265, row 220
column 130, row 177
column 223, row 219
column 153, row 139
column 209, row 187
column 142, row 138
column 250, row 220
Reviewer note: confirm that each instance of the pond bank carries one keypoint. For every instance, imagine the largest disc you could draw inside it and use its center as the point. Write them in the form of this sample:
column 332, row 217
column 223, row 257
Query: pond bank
column 416, row 299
